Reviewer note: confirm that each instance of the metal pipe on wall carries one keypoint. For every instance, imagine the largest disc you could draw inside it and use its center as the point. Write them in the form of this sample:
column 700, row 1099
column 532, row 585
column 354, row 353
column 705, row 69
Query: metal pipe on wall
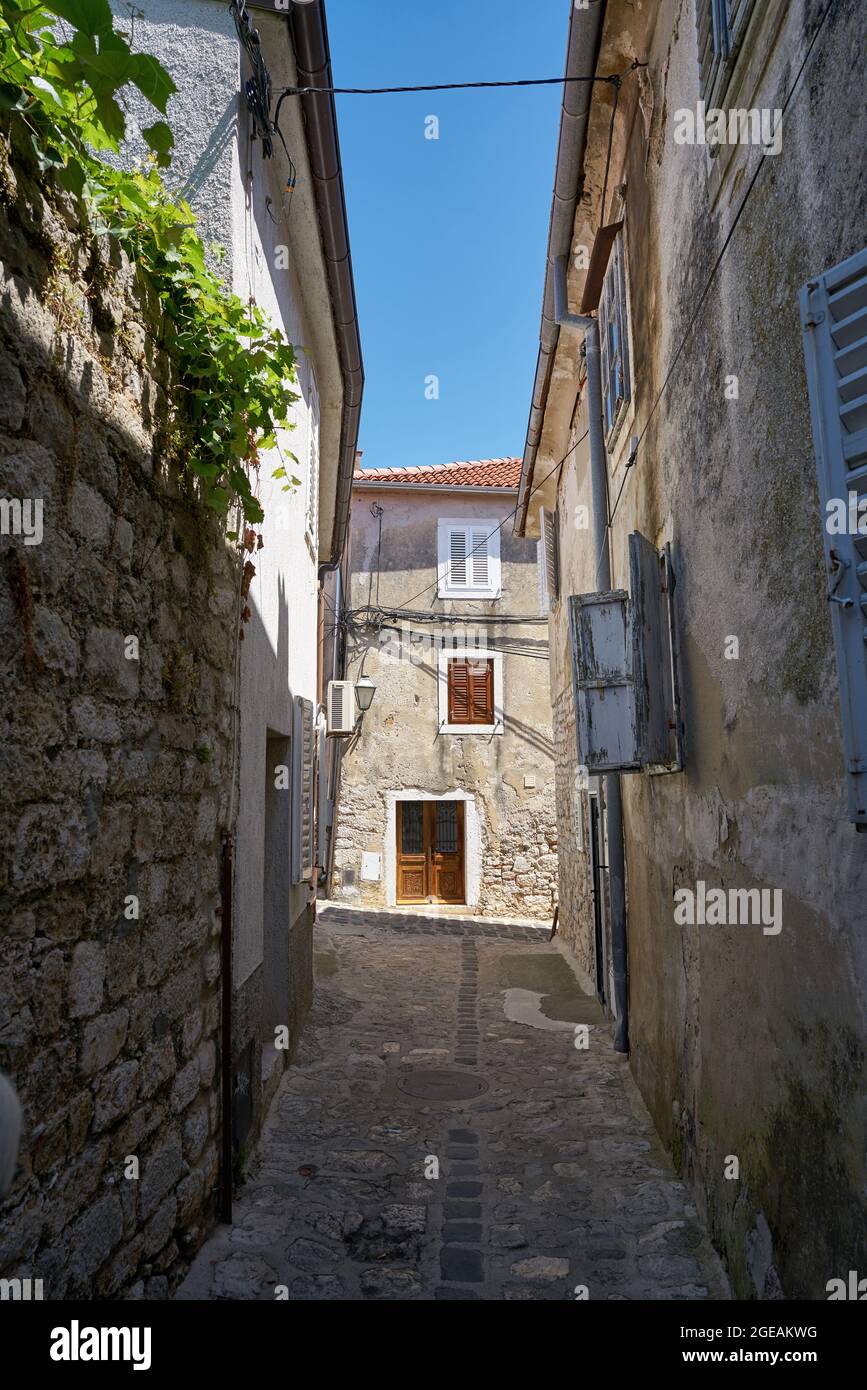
column 613, row 800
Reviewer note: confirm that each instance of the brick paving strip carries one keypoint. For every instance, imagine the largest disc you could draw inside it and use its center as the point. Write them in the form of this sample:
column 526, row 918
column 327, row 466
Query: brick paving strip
column 550, row 1174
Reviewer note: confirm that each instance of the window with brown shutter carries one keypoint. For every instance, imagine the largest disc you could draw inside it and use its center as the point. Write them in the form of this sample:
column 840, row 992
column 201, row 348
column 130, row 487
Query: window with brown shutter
column 471, row 692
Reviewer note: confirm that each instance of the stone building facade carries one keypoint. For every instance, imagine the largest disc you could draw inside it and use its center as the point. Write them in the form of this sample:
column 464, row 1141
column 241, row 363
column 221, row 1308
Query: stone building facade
column 745, row 1043
column 148, row 748
column 415, row 532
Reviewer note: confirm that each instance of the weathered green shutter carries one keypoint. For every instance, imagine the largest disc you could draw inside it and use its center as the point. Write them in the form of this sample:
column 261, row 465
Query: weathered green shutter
column 834, row 319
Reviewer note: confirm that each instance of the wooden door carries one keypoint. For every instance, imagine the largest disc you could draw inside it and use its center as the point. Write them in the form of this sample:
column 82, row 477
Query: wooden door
column 412, row 853
column 430, row 851
column 447, row 851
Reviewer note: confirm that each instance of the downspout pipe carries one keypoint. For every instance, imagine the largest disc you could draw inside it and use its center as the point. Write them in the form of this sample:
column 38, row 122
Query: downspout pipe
column 582, row 56
column 613, row 798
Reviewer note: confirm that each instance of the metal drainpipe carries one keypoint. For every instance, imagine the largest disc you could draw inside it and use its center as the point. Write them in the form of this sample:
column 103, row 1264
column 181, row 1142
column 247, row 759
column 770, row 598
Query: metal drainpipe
column 602, row 556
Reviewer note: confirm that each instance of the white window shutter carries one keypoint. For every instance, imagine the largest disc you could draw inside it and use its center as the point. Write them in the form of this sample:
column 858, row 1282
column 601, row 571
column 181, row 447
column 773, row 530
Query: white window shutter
column 457, row 558
column 480, row 559
column 303, row 790
column 834, row 319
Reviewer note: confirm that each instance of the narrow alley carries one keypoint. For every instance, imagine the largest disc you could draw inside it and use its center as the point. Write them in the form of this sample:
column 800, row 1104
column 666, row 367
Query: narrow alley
column 446, row 1045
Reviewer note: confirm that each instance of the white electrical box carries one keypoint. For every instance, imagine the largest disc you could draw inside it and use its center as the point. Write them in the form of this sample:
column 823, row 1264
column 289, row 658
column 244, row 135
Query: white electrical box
column 371, row 867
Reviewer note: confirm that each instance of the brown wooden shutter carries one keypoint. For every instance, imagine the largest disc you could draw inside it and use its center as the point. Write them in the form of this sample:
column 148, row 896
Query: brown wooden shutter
column 481, row 679
column 459, row 692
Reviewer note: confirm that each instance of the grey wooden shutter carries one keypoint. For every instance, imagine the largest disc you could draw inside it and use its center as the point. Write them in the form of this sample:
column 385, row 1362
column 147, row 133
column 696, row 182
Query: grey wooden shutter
column 624, row 663
column 834, row 319
column 303, row 784
column 602, row 667
column 654, row 665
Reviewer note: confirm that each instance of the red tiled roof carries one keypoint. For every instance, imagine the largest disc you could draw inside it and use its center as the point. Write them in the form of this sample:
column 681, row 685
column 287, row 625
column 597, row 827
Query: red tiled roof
column 475, row 473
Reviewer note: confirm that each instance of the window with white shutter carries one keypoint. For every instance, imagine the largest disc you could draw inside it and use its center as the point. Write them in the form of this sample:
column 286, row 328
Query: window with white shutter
column 834, row 320
column 303, row 791
column 468, row 559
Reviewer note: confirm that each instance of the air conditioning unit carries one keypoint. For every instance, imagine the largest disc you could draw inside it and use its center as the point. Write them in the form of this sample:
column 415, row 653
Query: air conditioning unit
column 341, row 708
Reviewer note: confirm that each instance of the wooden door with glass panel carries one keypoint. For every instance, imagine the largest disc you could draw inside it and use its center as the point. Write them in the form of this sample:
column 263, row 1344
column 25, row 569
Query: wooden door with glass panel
column 430, row 851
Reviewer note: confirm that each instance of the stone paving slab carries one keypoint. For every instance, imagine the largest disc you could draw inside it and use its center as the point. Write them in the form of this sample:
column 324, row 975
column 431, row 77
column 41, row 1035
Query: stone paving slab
column 543, row 1183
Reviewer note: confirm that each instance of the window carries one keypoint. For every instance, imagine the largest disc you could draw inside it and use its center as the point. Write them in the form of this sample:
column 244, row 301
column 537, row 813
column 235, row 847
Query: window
column 468, row 559
column 470, row 691
column 547, row 559
column 834, row 319
column 614, row 342
column 721, row 26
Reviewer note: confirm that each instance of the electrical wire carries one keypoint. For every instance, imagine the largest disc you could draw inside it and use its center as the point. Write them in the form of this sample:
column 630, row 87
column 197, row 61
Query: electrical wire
column 704, row 294
column 452, row 86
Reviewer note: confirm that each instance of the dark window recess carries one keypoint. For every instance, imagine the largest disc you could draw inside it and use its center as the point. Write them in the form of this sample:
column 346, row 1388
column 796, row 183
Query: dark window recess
column 471, row 692
column 447, row 827
column 412, row 827
column 614, row 341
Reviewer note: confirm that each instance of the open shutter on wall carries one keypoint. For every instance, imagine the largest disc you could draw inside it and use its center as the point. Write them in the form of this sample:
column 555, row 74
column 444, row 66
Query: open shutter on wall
column 624, row 661
column 603, row 683
column 651, row 611
column 552, row 556
column 834, row 319
column 303, row 782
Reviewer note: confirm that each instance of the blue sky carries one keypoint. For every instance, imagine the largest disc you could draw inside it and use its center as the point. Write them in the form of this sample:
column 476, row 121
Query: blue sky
column 448, row 236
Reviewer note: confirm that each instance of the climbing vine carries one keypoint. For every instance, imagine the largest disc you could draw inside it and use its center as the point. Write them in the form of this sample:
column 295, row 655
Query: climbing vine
column 63, row 68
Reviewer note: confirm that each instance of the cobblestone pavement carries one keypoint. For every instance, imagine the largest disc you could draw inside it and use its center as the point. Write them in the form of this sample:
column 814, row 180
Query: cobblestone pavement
column 550, row 1174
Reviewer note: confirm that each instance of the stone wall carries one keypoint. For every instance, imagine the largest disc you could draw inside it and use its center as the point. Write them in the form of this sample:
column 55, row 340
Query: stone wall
column 117, row 769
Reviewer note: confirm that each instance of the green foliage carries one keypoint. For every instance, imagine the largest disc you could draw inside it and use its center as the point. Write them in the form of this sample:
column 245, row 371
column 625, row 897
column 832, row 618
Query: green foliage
column 234, row 369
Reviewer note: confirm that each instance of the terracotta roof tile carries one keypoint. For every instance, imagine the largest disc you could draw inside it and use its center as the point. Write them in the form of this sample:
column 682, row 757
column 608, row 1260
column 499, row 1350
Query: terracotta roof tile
column 504, row 472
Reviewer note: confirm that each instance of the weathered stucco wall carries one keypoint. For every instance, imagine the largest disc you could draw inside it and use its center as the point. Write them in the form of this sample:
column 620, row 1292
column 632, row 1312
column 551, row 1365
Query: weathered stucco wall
column 743, row 1043
column 118, row 769
column 274, row 259
column 513, row 860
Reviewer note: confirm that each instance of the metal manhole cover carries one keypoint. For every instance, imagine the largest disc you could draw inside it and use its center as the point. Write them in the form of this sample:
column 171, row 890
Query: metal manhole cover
column 442, row 1085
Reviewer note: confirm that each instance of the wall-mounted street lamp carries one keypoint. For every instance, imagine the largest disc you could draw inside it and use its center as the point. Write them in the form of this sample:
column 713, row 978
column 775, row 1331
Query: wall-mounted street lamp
column 364, row 693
